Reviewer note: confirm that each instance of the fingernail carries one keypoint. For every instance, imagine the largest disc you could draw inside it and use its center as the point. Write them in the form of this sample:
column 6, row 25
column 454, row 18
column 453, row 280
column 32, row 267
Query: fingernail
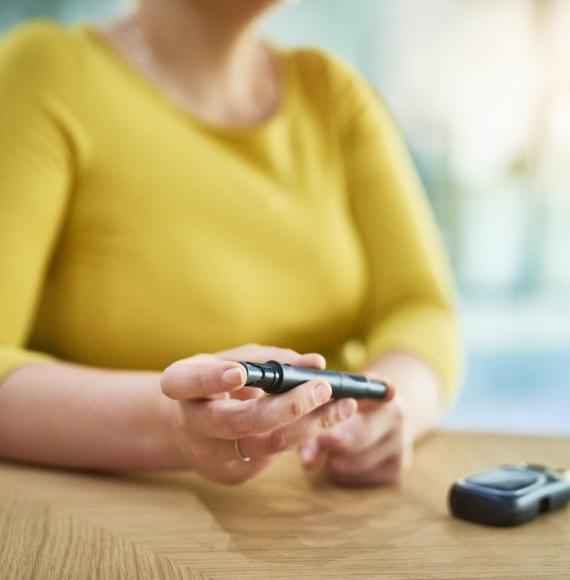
column 234, row 376
column 307, row 454
column 391, row 393
column 347, row 408
column 322, row 393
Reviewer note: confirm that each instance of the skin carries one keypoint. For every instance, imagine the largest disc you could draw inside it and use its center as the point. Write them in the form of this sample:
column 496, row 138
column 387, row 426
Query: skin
column 184, row 418
column 208, row 59
column 206, row 56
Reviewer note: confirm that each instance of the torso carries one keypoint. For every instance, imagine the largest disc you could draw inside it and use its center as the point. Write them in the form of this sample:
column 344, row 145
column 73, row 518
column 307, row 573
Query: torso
column 184, row 237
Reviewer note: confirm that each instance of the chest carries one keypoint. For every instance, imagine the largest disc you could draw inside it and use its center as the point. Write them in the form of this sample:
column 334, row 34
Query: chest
column 206, row 241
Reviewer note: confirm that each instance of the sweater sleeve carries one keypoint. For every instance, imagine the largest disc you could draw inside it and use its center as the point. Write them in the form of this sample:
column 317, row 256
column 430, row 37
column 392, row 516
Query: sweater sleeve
column 410, row 305
column 35, row 178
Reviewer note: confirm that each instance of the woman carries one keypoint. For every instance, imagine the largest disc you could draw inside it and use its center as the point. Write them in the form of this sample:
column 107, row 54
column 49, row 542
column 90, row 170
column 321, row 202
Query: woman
column 171, row 187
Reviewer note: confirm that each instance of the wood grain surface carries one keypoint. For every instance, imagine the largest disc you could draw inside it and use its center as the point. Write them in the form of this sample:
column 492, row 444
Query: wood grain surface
column 285, row 524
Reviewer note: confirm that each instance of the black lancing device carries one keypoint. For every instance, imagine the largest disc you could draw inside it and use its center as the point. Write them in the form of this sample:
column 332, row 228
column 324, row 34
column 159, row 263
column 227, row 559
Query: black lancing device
column 275, row 377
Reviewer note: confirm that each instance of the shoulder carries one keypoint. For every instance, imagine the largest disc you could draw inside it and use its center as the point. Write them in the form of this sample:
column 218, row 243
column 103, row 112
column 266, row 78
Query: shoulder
column 327, row 77
column 312, row 60
column 39, row 51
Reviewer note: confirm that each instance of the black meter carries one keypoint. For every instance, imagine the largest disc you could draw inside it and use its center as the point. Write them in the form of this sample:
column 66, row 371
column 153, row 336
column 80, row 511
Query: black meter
column 510, row 494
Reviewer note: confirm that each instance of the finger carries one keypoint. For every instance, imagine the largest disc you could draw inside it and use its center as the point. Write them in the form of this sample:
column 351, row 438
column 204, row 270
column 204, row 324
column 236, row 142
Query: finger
column 299, row 432
column 233, row 419
column 195, row 379
column 388, row 472
column 220, row 455
column 307, row 360
column 364, row 429
column 232, row 472
column 367, row 459
column 261, row 447
column 246, row 393
column 261, row 353
column 312, row 359
column 358, row 433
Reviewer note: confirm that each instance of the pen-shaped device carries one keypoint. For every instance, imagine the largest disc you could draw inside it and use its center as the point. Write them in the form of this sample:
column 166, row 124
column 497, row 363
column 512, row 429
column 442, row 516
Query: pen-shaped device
column 275, row 377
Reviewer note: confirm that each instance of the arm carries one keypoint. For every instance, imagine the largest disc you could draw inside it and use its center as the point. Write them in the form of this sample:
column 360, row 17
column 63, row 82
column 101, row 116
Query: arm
column 74, row 416
column 418, row 385
column 52, row 412
column 410, row 307
column 184, row 418
column 408, row 322
column 37, row 166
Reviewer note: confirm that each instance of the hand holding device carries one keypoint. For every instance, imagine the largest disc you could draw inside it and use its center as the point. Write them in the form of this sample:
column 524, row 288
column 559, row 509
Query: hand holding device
column 218, row 423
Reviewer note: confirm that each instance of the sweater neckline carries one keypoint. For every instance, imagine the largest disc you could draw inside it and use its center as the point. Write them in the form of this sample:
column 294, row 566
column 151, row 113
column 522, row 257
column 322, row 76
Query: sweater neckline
column 130, row 70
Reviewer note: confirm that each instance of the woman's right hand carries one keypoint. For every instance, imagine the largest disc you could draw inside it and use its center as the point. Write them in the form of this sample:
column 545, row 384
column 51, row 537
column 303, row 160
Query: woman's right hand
column 211, row 408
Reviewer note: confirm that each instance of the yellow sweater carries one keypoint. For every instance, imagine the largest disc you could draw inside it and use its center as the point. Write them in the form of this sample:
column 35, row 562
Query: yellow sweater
column 134, row 234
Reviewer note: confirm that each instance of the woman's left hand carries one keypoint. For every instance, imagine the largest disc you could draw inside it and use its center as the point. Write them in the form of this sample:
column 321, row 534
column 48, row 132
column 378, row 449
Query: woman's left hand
column 374, row 446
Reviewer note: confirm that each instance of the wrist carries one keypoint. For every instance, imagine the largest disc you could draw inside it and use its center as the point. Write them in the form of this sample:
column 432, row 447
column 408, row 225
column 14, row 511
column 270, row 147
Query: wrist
column 163, row 433
column 424, row 406
column 177, row 439
column 416, row 384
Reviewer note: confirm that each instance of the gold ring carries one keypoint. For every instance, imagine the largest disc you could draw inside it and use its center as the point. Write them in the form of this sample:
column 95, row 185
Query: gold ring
column 239, row 453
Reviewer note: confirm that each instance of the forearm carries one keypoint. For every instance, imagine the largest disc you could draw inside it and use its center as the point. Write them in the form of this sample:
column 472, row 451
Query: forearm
column 417, row 383
column 80, row 417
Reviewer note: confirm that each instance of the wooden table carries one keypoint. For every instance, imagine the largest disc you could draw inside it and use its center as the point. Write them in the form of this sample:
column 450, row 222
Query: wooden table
column 59, row 524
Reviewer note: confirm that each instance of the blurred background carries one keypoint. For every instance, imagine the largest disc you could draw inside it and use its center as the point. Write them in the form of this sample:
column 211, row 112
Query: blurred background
column 481, row 91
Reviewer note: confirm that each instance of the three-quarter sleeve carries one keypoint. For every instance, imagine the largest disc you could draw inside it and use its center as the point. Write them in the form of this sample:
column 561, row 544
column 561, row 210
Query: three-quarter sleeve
column 35, row 180
column 410, row 304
